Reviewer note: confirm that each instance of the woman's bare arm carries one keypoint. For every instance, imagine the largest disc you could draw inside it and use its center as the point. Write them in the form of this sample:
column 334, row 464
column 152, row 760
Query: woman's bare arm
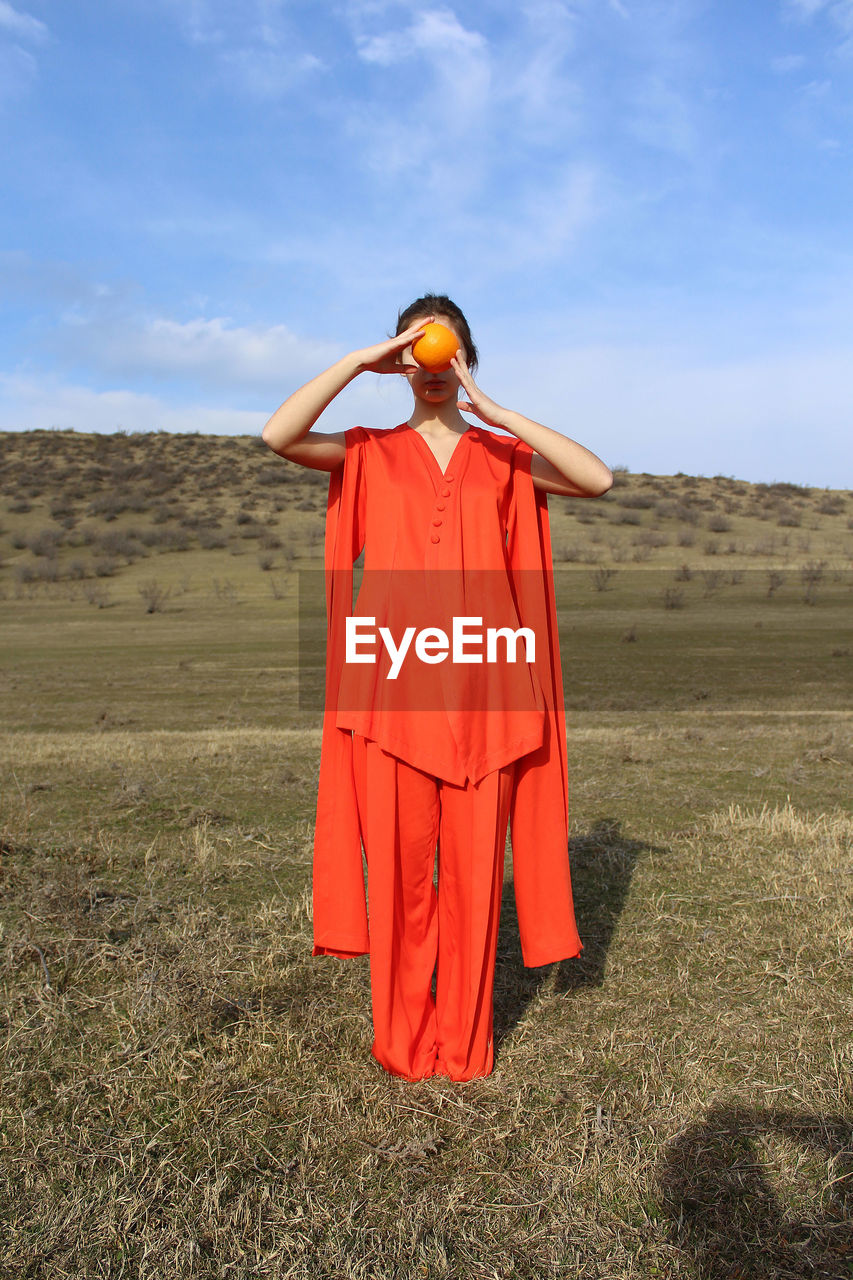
column 558, row 465
column 288, row 432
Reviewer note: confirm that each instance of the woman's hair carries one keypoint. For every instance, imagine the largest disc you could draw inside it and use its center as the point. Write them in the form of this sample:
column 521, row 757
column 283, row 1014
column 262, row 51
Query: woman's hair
column 440, row 306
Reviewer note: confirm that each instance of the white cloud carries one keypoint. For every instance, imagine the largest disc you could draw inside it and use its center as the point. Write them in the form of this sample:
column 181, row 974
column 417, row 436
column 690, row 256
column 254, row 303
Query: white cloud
column 805, row 8
column 253, row 47
column 459, row 62
column 267, row 73
column 438, row 34
column 28, row 403
column 537, row 82
column 469, row 116
column 430, row 106
column 838, row 12
column 18, row 66
column 22, row 25
column 520, row 78
column 207, row 351
column 18, row 69
column 197, row 19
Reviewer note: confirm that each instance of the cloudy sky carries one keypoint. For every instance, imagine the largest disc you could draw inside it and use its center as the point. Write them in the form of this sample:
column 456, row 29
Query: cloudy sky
column 644, row 207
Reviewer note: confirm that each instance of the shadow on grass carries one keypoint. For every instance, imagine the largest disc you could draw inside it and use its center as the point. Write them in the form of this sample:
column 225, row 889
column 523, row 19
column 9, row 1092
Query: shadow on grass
column 602, row 862
column 757, row 1194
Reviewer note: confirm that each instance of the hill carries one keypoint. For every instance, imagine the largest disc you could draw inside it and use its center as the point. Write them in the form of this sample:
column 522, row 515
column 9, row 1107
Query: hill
column 78, row 508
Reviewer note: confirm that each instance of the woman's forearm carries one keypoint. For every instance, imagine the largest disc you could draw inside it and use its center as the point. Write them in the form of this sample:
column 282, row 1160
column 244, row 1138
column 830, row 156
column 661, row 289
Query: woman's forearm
column 295, row 418
column 563, row 465
column 579, row 465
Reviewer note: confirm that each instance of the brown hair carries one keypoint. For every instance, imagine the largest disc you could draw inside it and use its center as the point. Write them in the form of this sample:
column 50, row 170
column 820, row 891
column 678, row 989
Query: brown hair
column 440, row 306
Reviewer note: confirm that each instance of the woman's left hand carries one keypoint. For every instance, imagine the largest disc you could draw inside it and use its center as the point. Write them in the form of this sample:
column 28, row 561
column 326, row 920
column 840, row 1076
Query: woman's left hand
column 478, row 403
column 558, row 465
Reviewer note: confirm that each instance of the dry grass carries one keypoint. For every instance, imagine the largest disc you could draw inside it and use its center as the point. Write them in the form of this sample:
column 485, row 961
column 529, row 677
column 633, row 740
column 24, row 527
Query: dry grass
column 187, row 1093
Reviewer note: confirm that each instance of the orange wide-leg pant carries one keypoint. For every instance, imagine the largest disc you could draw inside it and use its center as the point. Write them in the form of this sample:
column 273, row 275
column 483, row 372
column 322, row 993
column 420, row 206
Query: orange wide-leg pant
column 416, row 932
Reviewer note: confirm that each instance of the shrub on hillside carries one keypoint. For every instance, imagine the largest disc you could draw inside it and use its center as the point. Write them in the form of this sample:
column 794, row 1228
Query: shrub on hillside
column 108, row 506
column 172, row 539
column 45, row 543
column 253, row 530
column 95, row 593
column 115, row 543
column 601, row 578
column 650, row 538
column 719, row 524
column 672, row 598
column 637, row 501
column 274, row 475
column 154, row 595
column 210, row 539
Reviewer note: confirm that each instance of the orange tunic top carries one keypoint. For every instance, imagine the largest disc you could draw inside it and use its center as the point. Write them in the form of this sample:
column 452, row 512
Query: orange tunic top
column 484, row 517
column 435, row 546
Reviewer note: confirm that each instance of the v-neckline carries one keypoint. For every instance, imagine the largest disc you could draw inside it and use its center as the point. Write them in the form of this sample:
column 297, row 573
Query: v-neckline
column 435, row 461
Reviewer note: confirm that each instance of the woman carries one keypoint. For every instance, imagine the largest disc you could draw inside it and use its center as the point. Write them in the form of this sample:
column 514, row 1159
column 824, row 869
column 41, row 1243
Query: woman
column 439, row 499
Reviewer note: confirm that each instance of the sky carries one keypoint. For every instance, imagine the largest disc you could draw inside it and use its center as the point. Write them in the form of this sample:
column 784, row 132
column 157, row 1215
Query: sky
column 644, row 208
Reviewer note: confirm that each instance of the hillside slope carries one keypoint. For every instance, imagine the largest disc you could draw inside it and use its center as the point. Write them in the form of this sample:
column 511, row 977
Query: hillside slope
column 77, row 506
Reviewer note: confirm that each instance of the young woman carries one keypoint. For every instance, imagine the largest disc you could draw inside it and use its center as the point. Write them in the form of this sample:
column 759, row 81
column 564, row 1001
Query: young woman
column 437, row 500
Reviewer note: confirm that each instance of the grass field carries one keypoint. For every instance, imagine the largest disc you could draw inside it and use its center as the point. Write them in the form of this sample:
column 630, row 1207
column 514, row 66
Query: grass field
column 186, row 1093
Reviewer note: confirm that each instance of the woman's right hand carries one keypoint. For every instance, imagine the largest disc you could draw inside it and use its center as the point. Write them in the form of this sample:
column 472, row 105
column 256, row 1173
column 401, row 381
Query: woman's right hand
column 386, row 357
column 288, row 432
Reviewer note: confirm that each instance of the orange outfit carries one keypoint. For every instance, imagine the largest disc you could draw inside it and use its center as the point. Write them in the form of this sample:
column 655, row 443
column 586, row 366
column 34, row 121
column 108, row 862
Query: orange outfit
column 403, row 812
column 397, row 775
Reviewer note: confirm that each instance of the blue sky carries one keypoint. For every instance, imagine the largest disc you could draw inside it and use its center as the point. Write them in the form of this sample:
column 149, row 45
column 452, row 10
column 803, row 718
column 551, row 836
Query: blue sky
column 643, row 206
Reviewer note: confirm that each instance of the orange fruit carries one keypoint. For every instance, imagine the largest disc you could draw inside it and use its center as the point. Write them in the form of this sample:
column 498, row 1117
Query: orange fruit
column 434, row 350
